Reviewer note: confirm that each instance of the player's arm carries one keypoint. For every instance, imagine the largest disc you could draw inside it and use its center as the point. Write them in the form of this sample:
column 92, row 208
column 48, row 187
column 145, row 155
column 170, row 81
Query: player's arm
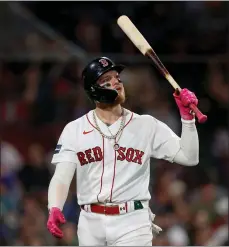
column 167, row 145
column 57, row 195
column 59, row 184
column 65, row 160
column 188, row 153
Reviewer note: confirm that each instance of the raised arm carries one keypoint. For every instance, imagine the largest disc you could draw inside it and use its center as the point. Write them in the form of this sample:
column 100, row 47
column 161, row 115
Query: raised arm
column 165, row 144
column 189, row 142
column 188, row 153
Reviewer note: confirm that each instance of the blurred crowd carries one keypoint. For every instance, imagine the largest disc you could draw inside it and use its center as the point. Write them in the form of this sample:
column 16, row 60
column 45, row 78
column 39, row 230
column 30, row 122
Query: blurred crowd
column 38, row 98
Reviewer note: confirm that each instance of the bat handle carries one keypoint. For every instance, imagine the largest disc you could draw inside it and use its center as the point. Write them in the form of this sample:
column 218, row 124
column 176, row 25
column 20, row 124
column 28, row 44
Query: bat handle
column 200, row 116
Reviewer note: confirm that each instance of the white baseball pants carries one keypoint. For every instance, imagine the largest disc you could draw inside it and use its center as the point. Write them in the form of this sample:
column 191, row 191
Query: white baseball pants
column 130, row 229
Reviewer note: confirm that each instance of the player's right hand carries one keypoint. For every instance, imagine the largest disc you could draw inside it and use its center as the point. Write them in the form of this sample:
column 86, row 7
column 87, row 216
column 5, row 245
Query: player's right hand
column 56, row 218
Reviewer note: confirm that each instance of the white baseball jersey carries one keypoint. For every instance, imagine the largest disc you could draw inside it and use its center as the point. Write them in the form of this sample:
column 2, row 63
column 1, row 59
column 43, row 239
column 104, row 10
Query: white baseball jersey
column 106, row 175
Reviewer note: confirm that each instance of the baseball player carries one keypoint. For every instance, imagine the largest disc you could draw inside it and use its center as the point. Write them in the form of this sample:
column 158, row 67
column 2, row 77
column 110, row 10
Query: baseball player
column 109, row 148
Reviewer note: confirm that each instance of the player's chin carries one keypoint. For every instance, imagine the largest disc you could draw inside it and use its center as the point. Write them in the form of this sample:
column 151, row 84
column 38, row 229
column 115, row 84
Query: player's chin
column 120, row 99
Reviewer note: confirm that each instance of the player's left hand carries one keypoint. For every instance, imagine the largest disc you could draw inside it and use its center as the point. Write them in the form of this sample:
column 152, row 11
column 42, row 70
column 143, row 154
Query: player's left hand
column 56, row 218
column 183, row 99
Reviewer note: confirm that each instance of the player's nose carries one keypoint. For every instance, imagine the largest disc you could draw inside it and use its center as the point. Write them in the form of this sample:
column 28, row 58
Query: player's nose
column 116, row 82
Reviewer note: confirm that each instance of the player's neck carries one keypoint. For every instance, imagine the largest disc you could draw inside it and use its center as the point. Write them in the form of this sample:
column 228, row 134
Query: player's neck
column 109, row 115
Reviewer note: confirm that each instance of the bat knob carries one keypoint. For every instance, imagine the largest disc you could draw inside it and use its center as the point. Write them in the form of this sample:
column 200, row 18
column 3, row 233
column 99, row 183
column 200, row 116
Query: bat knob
column 202, row 118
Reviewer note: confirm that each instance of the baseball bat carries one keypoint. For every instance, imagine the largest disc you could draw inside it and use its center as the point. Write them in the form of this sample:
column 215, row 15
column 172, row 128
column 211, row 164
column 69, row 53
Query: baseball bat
column 140, row 42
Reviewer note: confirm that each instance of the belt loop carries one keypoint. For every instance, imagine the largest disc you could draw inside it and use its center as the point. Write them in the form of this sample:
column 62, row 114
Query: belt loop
column 130, row 206
column 87, row 207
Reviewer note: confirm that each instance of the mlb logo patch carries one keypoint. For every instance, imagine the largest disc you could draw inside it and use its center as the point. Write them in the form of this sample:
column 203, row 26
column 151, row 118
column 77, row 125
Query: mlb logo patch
column 58, row 148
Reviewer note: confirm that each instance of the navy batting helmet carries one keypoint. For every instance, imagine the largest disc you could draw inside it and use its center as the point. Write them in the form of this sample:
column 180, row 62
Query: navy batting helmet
column 91, row 74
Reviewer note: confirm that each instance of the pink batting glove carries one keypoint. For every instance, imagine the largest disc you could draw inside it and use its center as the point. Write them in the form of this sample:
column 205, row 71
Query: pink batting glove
column 56, row 218
column 183, row 99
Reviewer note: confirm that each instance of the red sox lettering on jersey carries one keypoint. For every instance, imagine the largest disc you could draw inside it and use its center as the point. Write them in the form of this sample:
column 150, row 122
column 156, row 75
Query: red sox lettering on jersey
column 108, row 175
column 95, row 154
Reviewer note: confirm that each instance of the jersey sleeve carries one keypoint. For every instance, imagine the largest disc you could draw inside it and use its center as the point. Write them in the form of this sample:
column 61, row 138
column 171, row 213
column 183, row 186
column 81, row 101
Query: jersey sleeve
column 164, row 143
column 66, row 147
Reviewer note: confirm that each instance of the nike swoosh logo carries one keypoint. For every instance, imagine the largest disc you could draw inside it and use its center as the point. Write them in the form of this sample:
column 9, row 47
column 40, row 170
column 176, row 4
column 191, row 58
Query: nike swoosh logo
column 87, row 132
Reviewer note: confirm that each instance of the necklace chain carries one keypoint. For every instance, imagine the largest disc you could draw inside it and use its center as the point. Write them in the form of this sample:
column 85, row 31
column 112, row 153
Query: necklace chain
column 112, row 136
